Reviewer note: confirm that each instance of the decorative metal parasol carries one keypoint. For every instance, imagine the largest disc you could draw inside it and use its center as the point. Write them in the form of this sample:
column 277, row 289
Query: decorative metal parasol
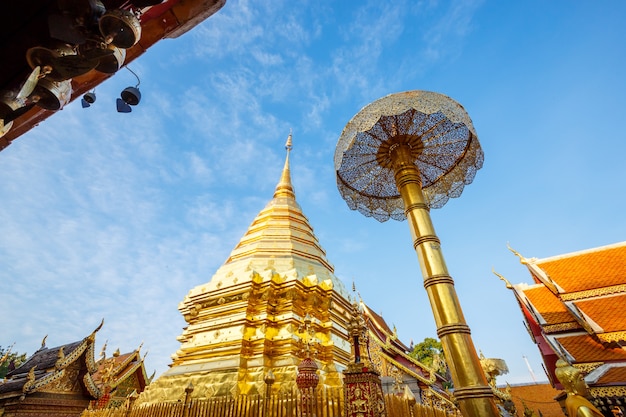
column 443, row 144
column 397, row 158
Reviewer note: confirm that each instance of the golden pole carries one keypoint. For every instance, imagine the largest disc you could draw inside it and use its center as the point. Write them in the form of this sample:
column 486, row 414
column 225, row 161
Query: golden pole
column 474, row 395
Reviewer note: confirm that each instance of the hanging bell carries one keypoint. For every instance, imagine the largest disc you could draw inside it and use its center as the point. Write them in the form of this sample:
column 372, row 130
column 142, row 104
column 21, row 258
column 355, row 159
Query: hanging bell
column 52, row 95
column 131, row 95
column 109, row 64
column 120, row 28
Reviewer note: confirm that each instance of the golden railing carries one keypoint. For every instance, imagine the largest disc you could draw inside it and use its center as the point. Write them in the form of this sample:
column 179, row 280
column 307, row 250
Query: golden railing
column 314, row 403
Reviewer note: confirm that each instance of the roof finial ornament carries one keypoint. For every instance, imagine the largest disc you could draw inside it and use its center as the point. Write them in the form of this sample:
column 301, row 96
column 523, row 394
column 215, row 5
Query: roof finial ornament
column 522, row 260
column 6, row 354
column 60, row 358
column 103, row 352
column 92, row 336
column 43, row 342
column 284, row 187
column 288, row 144
column 506, row 281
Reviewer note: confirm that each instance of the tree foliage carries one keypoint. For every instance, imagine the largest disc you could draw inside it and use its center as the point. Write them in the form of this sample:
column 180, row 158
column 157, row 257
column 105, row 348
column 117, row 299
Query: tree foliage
column 426, row 350
column 430, row 353
column 8, row 358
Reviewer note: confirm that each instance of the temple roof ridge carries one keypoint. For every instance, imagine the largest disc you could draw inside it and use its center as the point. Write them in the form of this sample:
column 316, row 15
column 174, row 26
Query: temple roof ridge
column 579, row 253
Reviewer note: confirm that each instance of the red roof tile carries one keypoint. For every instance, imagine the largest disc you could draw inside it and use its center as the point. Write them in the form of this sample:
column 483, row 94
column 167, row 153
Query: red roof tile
column 537, row 397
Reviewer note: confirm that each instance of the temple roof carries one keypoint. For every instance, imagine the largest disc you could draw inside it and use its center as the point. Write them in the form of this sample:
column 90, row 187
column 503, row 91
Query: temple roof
column 579, row 291
column 114, row 370
column 588, row 269
column 47, row 365
column 577, row 305
column 549, row 306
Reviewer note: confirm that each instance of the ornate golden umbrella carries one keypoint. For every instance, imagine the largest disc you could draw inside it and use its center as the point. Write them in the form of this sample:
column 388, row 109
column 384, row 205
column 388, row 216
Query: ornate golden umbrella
column 398, row 157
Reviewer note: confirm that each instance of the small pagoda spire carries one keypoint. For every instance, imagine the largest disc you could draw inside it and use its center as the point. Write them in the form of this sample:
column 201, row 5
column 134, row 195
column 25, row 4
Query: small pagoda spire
column 284, row 187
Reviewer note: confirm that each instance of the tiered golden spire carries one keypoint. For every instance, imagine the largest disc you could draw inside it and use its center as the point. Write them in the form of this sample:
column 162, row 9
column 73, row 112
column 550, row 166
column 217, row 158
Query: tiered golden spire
column 244, row 322
column 281, row 230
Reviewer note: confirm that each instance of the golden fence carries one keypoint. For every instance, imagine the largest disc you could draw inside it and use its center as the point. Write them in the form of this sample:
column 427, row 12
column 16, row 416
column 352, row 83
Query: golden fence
column 315, row 403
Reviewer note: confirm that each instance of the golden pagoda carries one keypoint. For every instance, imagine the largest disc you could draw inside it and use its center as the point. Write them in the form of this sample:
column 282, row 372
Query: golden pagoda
column 250, row 318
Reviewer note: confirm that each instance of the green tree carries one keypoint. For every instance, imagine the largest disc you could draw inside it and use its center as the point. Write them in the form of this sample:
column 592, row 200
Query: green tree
column 7, row 357
column 425, row 351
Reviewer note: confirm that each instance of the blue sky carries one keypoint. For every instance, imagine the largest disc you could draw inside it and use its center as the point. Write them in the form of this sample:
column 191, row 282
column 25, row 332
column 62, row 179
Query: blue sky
column 118, row 216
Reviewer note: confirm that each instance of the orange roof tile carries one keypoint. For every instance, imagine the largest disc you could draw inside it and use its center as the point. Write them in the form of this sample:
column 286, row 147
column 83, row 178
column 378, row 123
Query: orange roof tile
column 607, row 312
column 615, row 375
column 549, row 306
column 594, row 268
column 584, row 349
column 537, row 397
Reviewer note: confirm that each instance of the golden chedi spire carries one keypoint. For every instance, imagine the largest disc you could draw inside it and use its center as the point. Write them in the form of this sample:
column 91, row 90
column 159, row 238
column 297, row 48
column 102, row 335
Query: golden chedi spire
column 245, row 322
column 284, row 187
column 282, row 232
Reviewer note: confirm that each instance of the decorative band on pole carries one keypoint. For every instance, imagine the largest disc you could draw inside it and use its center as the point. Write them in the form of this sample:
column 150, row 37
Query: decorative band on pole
column 448, row 329
column 426, row 238
column 415, row 206
column 438, row 279
column 473, row 392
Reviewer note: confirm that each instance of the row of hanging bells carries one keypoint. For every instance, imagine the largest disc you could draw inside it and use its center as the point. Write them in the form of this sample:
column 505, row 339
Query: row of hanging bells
column 83, row 36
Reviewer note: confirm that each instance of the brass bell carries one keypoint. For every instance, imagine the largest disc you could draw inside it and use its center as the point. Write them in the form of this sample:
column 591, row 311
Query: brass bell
column 120, row 28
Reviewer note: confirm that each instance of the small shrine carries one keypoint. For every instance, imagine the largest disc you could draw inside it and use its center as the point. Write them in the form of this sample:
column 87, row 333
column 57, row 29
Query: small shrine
column 118, row 377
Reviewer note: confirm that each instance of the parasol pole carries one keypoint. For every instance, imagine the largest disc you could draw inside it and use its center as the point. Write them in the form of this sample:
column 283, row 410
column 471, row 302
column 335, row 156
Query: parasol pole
column 400, row 156
column 471, row 390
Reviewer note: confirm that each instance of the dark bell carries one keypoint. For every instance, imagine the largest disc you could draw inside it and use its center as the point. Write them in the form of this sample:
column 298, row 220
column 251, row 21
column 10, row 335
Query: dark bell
column 90, row 97
column 131, row 95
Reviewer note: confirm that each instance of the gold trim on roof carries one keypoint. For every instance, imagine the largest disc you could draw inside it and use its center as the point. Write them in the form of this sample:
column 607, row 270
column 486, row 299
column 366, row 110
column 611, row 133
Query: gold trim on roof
column 604, row 392
column 596, row 292
column 612, row 337
column 561, row 327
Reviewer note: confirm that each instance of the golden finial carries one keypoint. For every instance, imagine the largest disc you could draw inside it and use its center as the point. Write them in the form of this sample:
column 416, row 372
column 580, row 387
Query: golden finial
column 30, row 380
column 60, row 358
column 99, row 326
column 116, row 353
column 522, row 260
column 506, row 282
column 103, row 351
column 43, row 342
column 288, row 144
column 92, row 336
column 6, row 354
column 284, row 187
